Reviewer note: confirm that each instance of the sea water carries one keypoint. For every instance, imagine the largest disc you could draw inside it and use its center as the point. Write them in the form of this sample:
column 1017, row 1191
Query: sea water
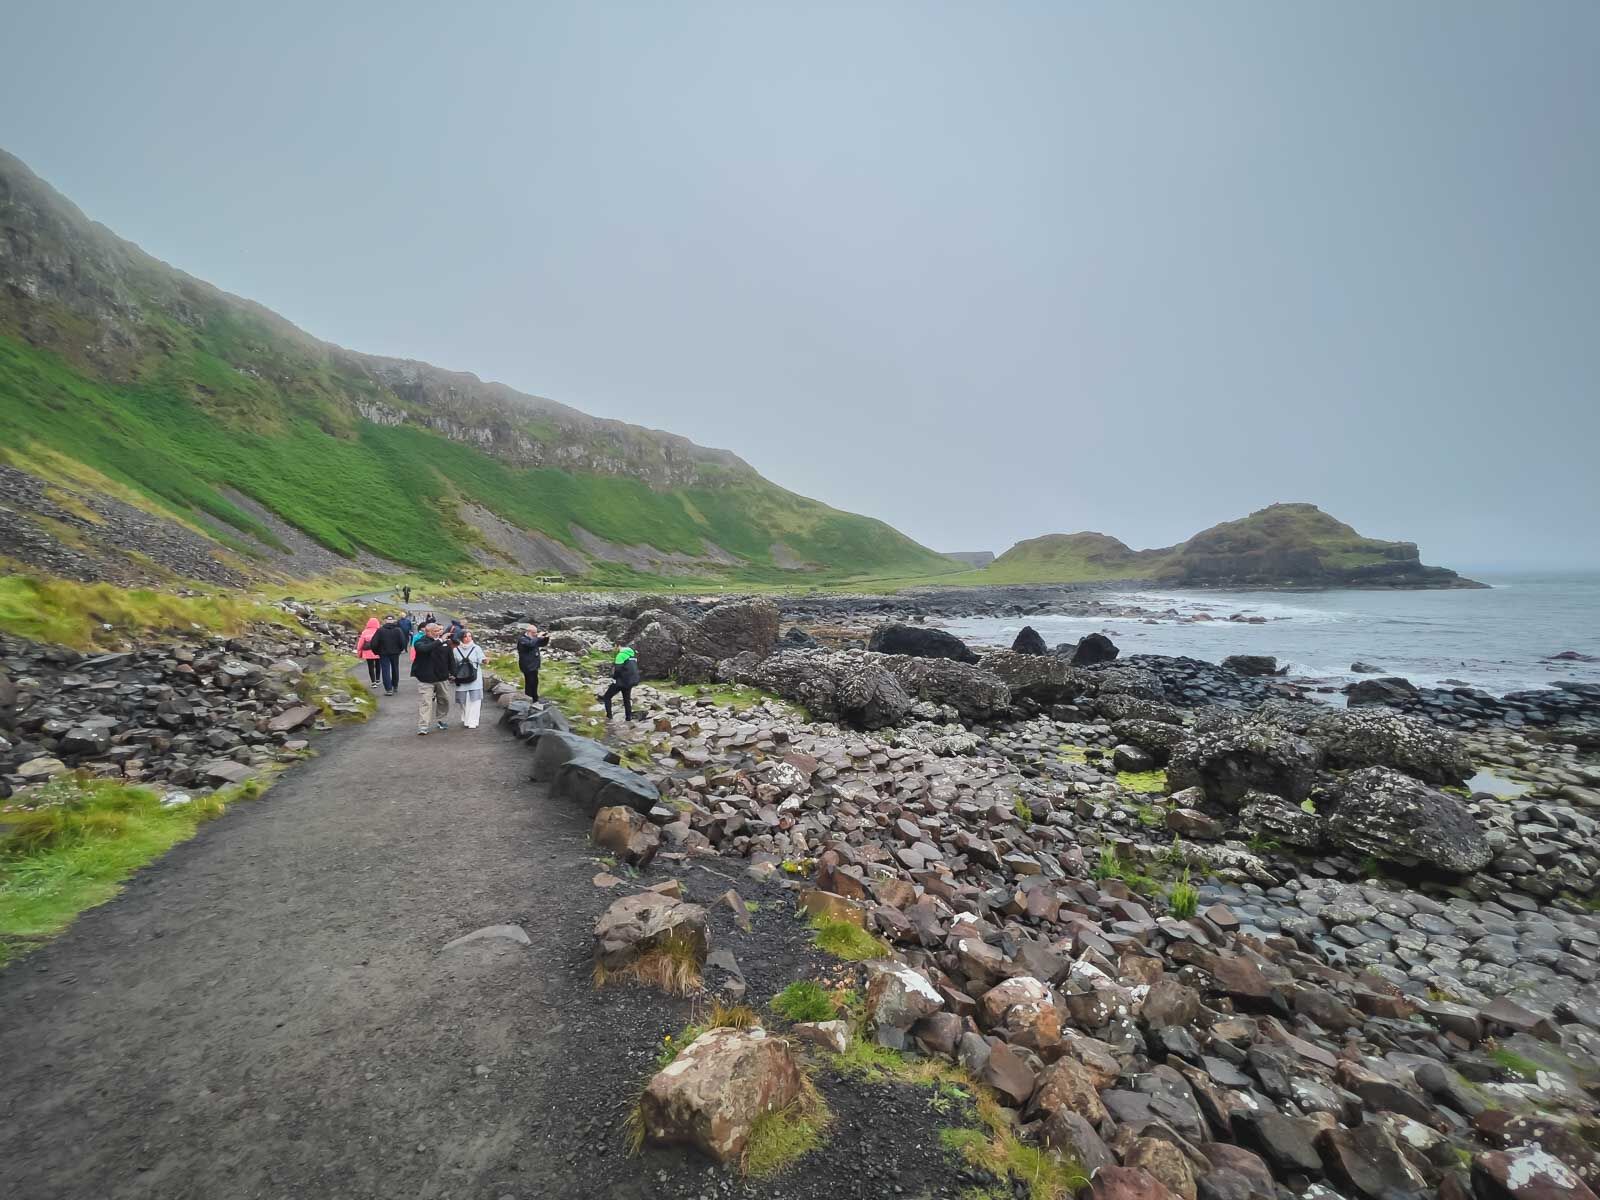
column 1498, row 639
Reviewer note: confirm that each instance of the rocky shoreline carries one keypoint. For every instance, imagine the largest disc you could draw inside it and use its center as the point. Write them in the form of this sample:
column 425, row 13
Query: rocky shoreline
column 1382, row 984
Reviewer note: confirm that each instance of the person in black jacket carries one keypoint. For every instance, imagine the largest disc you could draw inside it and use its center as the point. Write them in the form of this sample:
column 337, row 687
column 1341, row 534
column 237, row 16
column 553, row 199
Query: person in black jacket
column 431, row 669
column 389, row 643
column 624, row 677
column 529, row 659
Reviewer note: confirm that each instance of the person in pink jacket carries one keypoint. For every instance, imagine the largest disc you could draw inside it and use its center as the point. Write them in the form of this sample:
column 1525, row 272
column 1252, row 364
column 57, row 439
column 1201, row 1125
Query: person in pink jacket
column 364, row 650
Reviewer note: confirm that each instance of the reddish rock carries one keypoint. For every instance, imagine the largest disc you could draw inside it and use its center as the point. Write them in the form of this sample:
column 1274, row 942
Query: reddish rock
column 710, row 1096
column 627, row 834
column 1009, row 1076
column 1164, row 1162
column 1127, row 1183
column 1066, row 1084
column 1526, row 1173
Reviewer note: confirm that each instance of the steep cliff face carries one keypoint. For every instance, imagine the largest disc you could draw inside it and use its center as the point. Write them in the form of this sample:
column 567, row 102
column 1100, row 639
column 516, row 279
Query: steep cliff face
column 1283, row 545
column 149, row 378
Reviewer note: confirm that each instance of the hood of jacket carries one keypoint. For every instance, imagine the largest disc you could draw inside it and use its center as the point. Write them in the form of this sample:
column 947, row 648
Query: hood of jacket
column 624, row 655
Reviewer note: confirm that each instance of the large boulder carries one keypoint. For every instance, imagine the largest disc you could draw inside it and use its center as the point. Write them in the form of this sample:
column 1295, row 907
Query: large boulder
column 636, row 925
column 1028, row 641
column 917, row 641
column 1042, row 680
column 973, row 692
column 1390, row 690
column 1372, row 737
column 1228, row 758
column 711, row 1095
column 849, row 687
column 1093, row 649
column 593, row 784
column 671, row 645
column 554, row 748
column 1391, row 816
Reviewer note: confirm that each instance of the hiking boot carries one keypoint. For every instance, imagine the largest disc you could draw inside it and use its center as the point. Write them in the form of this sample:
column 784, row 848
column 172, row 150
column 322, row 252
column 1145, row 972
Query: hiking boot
column 442, row 725
column 422, row 733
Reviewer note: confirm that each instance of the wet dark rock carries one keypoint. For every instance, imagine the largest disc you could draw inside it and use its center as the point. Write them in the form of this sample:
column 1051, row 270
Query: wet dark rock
column 1389, row 690
column 1028, row 641
column 1251, row 664
column 918, row 641
column 1237, row 756
column 1092, row 649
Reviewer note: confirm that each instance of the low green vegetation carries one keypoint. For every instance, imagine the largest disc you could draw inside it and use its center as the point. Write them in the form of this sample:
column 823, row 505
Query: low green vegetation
column 718, row 1016
column 87, row 616
column 781, row 1137
column 993, row 1146
column 1183, row 898
column 69, row 846
column 805, row 1000
column 1019, row 805
column 1516, row 1064
column 1151, row 782
column 232, row 402
column 846, row 940
column 1108, row 865
column 1150, row 816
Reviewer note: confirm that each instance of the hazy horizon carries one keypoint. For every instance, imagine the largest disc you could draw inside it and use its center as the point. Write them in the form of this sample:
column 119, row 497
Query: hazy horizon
column 984, row 274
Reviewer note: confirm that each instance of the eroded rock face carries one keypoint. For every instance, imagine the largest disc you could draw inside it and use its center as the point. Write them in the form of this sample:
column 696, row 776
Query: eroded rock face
column 1393, row 817
column 973, row 692
column 710, row 1096
column 1236, row 756
column 848, row 687
column 635, row 925
column 1092, row 649
column 1273, row 818
column 1042, row 680
column 673, row 646
column 916, row 641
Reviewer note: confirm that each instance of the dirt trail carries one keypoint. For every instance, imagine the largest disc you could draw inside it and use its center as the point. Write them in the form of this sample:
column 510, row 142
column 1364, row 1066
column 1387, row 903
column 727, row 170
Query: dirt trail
column 266, row 1011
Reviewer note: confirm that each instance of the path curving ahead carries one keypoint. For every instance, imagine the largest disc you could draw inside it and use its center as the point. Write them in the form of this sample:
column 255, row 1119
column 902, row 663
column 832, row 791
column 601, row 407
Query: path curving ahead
column 267, row 1011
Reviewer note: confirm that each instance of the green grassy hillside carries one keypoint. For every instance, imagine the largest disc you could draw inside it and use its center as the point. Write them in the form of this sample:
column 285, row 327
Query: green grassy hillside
column 168, row 386
column 1070, row 558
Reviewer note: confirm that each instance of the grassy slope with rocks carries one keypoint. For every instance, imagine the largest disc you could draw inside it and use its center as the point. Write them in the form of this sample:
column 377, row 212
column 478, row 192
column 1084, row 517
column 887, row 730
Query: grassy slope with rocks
column 179, row 391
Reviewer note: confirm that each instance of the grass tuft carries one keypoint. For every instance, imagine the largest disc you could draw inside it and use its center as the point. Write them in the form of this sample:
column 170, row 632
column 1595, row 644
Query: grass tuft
column 805, row 1000
column 1152, row 782
column 780, row 1137
column 672, row 967
column 77, row 614
column 1183, row 898
column 1019, row 805
column 842, row 939
column 995, row 1147
column 1516, row 1064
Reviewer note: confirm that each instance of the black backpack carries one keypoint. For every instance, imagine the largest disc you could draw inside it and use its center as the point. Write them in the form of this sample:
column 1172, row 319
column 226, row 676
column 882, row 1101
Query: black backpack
column 464, row 671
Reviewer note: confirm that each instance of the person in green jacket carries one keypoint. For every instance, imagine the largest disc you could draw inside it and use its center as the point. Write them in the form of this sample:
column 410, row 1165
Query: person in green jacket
column 624, row 677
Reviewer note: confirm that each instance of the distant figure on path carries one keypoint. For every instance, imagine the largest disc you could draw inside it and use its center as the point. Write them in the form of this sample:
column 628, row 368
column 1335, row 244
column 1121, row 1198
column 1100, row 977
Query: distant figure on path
column 405, row 594
column 431, row 669
column 529, row 659
column 624, row 678
column 389, row 642
column 365, row 651
column 466, row 669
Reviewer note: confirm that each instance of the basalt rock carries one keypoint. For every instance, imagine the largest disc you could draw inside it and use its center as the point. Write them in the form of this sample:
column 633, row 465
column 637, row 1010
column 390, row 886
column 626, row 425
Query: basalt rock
column 712, row 1094
column 1093, row 649
column 1237, row 756
column 917, row 641
column 975, row 693
column 1042, row 680
column 1392, row 817
column 1028, row 641
column 849, row 686
column 1251, row 664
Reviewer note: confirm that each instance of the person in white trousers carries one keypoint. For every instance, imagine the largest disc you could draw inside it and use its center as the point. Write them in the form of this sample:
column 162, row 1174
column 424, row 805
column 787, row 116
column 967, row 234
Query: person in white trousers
column 469, row 695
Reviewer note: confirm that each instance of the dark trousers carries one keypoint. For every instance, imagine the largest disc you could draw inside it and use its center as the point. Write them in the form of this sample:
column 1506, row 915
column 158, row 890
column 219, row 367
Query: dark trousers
column 627, row 699
column 530, row 683
column 372, row 669
column 389, row 669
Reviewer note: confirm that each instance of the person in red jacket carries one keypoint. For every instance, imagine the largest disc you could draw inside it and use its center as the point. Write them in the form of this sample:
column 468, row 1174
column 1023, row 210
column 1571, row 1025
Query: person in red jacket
column 365, row 651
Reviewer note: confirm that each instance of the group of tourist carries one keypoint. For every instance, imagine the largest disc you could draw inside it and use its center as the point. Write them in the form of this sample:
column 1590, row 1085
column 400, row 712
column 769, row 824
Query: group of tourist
column 443, row 657
column 446, row 656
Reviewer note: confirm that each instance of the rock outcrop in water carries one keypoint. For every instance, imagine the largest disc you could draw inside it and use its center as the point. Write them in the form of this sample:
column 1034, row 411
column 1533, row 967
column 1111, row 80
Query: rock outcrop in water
column 1283, row 545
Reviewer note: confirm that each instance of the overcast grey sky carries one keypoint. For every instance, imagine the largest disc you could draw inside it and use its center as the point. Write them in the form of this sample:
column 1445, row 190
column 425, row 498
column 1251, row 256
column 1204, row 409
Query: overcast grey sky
column 983, row 270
